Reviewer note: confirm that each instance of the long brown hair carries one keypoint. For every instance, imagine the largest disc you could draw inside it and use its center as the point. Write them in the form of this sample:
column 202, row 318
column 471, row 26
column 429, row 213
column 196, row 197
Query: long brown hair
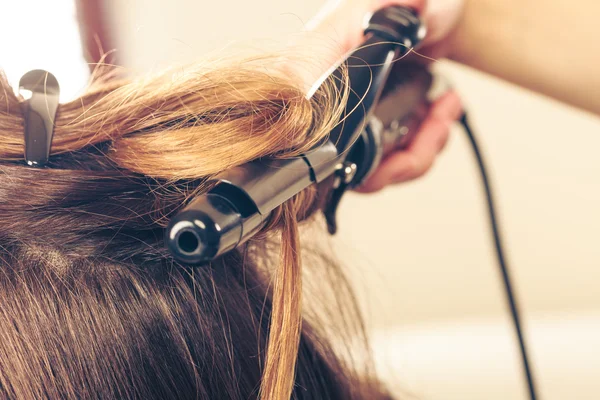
column 92, row 305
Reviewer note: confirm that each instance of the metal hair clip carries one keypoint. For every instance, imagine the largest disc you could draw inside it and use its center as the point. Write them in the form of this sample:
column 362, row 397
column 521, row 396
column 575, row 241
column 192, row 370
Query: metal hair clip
column 242, row 198
column 41, row 91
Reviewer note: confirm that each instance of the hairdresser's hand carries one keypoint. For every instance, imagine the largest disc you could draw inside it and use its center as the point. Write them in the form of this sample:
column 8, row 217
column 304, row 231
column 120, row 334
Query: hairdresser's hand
column 337, row 29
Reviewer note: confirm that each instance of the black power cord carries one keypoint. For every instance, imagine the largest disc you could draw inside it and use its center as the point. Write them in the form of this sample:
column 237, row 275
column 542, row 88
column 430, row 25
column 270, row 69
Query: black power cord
column 512, row 301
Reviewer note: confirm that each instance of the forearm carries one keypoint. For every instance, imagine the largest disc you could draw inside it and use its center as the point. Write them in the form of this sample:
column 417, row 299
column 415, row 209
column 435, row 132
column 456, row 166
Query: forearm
column 550, row 46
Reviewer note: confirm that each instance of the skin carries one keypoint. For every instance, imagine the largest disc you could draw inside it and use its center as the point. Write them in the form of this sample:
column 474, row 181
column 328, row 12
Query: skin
column 549, row 46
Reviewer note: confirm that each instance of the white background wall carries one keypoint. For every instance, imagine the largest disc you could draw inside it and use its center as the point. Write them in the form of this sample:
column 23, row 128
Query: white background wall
column 422, row 251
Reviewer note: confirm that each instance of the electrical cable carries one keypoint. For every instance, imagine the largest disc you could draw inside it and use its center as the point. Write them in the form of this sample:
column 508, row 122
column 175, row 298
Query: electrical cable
column 510, row 294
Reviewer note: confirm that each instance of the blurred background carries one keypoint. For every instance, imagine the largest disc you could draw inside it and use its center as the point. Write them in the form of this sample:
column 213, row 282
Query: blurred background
column 420, row 253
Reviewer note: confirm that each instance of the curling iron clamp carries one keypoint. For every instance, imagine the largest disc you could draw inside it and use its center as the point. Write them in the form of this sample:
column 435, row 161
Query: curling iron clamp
column 383, row 112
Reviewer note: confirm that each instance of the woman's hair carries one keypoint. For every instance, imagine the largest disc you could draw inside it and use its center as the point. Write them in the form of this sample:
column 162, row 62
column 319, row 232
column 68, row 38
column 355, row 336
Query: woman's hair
column 91, row 303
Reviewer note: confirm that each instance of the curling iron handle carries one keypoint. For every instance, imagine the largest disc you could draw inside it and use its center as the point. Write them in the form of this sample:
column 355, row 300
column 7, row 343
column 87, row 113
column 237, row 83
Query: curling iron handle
column 403, row 106
column 401, row 133
column 412, row 101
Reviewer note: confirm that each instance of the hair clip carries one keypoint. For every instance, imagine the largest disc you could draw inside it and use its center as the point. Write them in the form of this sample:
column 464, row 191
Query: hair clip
column 41, row 91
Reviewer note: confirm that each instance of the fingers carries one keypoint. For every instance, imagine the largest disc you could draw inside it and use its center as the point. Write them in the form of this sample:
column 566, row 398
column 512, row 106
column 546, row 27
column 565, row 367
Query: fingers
column 418, row 158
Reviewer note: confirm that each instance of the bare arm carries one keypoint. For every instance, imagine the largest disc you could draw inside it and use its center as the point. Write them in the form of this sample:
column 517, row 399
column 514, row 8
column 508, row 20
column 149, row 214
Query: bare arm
column 550, row 46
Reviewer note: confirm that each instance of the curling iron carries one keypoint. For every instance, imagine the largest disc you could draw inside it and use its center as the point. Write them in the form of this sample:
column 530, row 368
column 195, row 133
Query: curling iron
column 242, row 198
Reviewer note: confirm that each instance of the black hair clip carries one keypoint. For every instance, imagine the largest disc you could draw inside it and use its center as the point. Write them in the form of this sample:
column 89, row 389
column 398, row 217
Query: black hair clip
column 41, row 91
